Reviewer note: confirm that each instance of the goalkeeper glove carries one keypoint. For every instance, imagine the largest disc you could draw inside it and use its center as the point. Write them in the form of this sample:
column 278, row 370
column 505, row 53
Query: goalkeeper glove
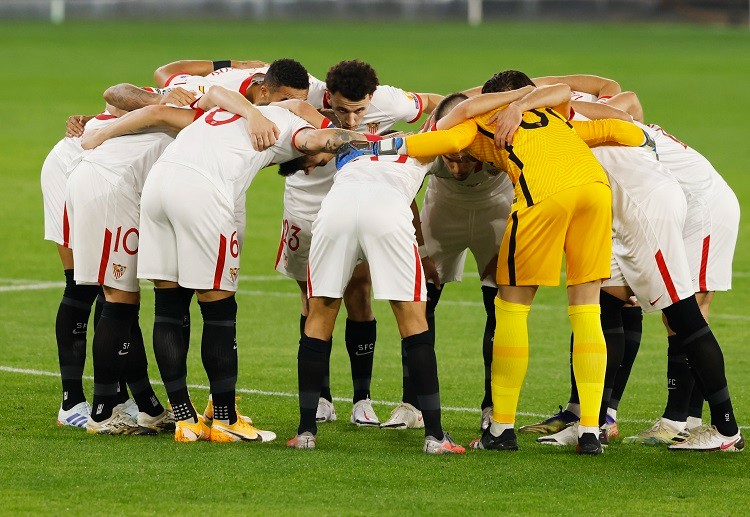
column 388, row 146
column 649, row 143
column 352, row 150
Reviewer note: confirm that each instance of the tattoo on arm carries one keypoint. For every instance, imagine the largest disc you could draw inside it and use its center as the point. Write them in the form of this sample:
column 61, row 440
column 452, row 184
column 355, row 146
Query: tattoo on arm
column 128, row 97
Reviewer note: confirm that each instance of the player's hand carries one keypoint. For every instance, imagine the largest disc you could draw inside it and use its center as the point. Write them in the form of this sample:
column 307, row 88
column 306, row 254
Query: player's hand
column 388, row 146
column 506, row 123
column 649, row 143
column 632, row 302
column 430, row 271
column 351, row 150
column 263, row 132
column 178, row 97
column 428, row 123
column 249, row 64
column 74, row 125
column 92, row 139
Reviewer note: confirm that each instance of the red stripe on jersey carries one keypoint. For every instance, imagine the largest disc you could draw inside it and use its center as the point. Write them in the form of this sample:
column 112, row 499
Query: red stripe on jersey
column 418, row 276
column 572, row 113
column 309, row 283
column 294, row 137
column 198, row 113
column 326, row 123
column 220, row 262
column 704, row 264
column 106, row 247
column 104, row 116
column 326, row 102
column 171, row 77
column 401, row 158
column 666, row 277
column 421, row 107
column 66, row 227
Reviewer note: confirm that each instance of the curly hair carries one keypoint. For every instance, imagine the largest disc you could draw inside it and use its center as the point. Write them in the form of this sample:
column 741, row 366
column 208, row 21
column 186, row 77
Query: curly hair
column 353, row 80
column 287, row 72
column 506, row 81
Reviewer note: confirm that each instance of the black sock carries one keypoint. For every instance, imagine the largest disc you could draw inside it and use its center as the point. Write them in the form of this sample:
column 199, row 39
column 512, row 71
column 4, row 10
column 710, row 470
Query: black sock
column 573, row 386
column 488, row 297
column 422, row 363
column 312, row 361
column 122, row 391
column 171, row 351
column 98, row 306
column 632, row 323
column 614, row 337
column 360, row 344
column 679, row 381
column 433, row 297
column 112, row 341
column 136, row 374
column 186, row 297
column 219, row 354
column 705, row 356
column 695, row 409
column 70, row 330
column 409, row 393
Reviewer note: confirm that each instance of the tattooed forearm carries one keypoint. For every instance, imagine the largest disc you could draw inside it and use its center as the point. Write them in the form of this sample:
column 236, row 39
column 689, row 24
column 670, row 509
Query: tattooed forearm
column 129, row 97
column 338, row 137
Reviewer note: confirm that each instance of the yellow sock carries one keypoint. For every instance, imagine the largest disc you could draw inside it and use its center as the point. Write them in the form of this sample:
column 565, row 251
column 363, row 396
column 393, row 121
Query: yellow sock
column 589, row 360
column 510, row 358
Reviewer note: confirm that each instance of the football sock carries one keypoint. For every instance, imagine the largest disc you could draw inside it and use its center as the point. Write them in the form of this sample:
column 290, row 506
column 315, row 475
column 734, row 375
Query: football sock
column 680, row 381
column 614, row 339
column 409, row 394
column 70, row 330
column 422, row 363
column 695, row 408
column 112, row 343
column 510, row 358
column 589, row 360
column 632, row 323
column 488, row 297
column 136, row 373
column 360, row 339
column 312, row 364
column 171, row 351
column 573, row 400
column 219, row 355
column 705, row 356
column 122, row 391
column 433, row 297
column 98, row 307
column 186, row 298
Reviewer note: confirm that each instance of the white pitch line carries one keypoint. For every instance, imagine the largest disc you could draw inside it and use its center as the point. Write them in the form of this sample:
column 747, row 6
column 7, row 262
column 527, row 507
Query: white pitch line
column 249, row 391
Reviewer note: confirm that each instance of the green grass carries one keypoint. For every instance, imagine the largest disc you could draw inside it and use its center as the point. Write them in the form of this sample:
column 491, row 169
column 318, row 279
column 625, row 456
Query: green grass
column 692, row 80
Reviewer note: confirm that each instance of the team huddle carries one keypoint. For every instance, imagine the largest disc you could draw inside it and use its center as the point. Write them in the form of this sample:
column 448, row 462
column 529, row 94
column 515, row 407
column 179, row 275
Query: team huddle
column 521, row 172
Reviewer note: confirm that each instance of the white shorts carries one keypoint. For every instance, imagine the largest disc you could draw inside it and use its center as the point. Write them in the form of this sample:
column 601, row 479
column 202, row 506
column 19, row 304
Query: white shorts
column 648, row 251
column 54, row 180
column 710, row 237
column 370, row 223
column 294, row 247
column 188, row 231
column 449, row 230
column 104, row 221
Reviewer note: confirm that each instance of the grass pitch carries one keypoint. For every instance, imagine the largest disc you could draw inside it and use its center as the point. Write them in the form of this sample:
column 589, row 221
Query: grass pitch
column 692, row 81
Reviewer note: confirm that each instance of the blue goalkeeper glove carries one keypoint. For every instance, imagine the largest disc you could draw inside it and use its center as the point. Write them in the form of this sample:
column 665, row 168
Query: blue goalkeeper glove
column 352, row 150
column 388, row 146
column 649, row 143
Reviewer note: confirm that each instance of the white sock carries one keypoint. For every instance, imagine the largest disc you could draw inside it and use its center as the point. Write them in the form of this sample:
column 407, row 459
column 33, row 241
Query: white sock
column 583, row 429
column 693, row 423
column 612, row 413
column 674, row 424
column 497, row 429
column 574, row 408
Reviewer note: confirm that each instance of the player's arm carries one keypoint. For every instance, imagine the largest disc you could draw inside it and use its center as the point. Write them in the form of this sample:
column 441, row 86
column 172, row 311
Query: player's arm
column 628, row 102
column 138, row 121
column 311, row 141
column 199, row 67
column 428, row 265
column 593, row 84
column 430, row 101
column 597, row 110
column 305, row 111
column 596, row 132
column 481, row 104
column 129, row 97
column 431, row 144
column 75, row 124
column 263, row 132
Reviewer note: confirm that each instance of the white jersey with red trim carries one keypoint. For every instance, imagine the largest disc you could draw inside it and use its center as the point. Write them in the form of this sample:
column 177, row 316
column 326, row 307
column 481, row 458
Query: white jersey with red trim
column 217, row 145
column 582, row 96
column 69, row 149
column 484, row 187
column 403, row 173
column 303, row 193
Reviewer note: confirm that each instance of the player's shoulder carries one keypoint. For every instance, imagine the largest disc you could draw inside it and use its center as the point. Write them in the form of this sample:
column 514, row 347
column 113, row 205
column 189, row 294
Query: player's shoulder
column 388, row 97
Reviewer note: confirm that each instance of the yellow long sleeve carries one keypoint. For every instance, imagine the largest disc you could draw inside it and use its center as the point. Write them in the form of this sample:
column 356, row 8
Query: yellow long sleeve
column 595, row 132
column 448, row 141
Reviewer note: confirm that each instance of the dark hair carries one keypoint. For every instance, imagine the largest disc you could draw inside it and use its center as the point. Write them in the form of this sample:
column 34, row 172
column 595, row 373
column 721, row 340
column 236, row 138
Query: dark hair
column 448, row 103
column 352, row 79
column 330, row 115
column 292, row 166
column 287, row 72
column 506, row 81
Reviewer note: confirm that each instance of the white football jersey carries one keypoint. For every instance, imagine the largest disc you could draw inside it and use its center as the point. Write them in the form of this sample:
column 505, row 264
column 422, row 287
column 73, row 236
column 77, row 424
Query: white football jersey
column 481, row 189
column 304, row 193
column 403, row 173
column 582, row 96
column 218, row 146
column 692, row 170
column 68, row 150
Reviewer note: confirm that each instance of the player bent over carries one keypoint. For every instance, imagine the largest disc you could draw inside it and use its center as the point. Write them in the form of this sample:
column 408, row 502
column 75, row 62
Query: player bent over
column 366, row 216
